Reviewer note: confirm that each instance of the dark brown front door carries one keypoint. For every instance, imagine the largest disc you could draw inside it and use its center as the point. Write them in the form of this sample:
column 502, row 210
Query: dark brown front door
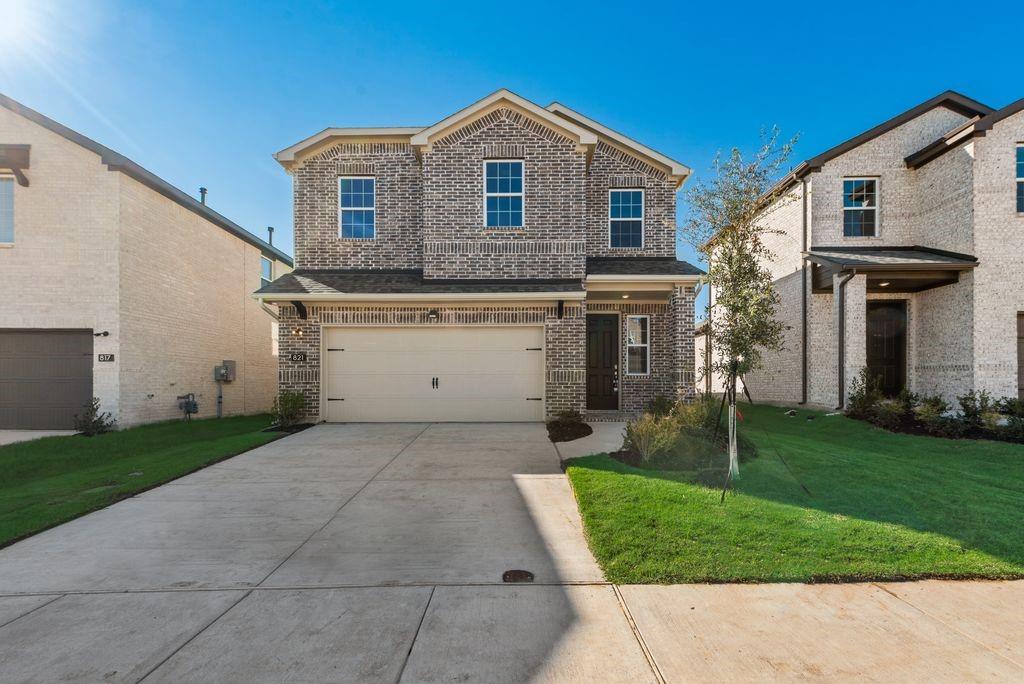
column 887, row 344
column 603, row 362
column 1020, row 356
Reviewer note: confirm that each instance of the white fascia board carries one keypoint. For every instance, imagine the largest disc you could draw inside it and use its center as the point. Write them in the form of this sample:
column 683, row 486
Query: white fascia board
column 585, row 137
column 288, row 153
column 643, row 278
column 676, row 168
column 419, row 296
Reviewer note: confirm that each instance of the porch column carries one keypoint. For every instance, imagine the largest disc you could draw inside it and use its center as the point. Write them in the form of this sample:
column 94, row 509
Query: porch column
column 680, row 340
column 850, row 313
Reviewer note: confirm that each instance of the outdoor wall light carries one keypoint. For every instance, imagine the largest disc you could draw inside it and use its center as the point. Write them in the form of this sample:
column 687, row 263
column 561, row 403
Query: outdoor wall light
column 297, row 331
column 105, row 333
column 432, row 315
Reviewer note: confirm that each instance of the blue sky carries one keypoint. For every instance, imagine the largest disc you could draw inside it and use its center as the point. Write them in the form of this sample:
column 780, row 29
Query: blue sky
column 202, row 93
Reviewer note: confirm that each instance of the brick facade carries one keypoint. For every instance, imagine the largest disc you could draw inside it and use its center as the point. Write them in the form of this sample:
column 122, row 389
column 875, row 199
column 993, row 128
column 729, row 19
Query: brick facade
column 429, row 216
column 960, row 337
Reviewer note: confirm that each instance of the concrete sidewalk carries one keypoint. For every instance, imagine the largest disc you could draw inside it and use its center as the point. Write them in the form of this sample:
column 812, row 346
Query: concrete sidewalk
column 376, row 553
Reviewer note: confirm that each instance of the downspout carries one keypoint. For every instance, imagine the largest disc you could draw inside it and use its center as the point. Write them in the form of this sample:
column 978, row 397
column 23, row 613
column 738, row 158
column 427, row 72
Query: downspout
column 803, row 297
column 840, row 296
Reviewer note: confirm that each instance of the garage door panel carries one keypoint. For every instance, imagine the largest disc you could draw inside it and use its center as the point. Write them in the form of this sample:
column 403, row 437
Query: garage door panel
column 45, row 377
column 483, row 373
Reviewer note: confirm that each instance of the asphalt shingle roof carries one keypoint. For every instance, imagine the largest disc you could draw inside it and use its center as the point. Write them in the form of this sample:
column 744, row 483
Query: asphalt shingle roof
column 640, row 266
column 301, row 282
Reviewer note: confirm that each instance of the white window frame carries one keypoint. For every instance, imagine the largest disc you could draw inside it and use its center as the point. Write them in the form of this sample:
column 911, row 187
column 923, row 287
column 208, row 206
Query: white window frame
column 14, row 184
column 627, row 345
column 877, row 207
column 643, row 216
column 373, row 208
column 263, row 281
column 522, row 194
column 1018, row 176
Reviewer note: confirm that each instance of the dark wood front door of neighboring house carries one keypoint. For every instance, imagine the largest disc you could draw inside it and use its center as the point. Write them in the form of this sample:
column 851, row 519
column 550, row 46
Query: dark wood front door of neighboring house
column 1020, row 355
column 602, row 362
column 887, row 344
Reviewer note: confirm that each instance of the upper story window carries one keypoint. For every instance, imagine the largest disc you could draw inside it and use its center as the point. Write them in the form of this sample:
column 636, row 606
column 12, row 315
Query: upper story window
column 626, row 218
column 503, row 194
column 266, row 271
column 6, row 210
column 1020, row 178
column 638, row 345
column 357, row 197
column 860, row 207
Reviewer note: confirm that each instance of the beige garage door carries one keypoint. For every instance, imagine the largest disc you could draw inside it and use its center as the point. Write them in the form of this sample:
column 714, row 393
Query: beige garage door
column 434, row 374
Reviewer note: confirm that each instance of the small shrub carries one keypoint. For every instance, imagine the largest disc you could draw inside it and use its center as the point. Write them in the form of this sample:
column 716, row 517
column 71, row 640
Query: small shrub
column 973, row 406
column 931, row 412
column 288, row 409
column 908, row 400
column 934, row 404
column 888, row 413
column 651, row 436
column 1013, row 430
column 93, row 421
column 1011, row 406
column 992, row 420
column 660, row 406
column 696, row 416
column 865, row 392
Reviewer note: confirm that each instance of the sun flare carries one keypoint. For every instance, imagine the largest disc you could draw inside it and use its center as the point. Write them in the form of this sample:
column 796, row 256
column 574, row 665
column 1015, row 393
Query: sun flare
column 19, row 23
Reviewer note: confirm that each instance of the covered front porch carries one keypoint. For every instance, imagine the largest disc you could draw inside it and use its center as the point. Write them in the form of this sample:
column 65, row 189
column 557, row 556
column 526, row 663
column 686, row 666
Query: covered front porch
column 639, row 333
column 901, row 312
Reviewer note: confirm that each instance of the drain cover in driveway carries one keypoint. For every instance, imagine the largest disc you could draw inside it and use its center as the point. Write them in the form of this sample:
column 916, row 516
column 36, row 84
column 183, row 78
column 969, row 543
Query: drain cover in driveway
column 513, row 576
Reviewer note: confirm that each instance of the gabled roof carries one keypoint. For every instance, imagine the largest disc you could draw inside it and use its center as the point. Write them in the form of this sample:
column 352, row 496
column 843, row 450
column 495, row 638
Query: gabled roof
column 426, row 136
column 574, row 125
column 975, row 128
column 675, row 168
column 118, row 162
column 950, row 99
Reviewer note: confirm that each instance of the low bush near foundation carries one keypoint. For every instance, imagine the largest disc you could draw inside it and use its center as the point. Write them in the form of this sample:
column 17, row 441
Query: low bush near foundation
column 977, row 416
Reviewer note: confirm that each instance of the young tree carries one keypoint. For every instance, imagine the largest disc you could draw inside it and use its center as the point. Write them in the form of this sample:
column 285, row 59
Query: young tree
column 728, row 225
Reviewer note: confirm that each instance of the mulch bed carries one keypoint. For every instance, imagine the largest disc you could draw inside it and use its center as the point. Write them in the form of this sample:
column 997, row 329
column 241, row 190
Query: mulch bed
column 566, row 431
column 291, row 429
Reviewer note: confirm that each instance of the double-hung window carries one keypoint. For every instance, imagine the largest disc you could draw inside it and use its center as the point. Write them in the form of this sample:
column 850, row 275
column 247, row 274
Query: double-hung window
column 266, row 271
column 503, row 194
column 6, row 209
column 626, row 218
column 1020, row 178
column 358, row 206
column 638, row 345
column 860, row 207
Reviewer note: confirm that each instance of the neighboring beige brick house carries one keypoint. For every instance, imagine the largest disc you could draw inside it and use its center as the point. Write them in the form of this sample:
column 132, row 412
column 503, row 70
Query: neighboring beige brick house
column 506, row 263
column 901, row 250
column 118, row 285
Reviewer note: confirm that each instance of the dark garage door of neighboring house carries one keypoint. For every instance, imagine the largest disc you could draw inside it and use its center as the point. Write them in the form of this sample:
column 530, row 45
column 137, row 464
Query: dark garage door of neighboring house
column 1020, row 356
column 45, row 377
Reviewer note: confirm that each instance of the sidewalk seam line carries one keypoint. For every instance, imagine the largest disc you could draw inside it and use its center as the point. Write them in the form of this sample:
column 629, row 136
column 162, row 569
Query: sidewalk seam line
column 651, row 662
column 416, row 635
column 346, row 503
column 42, row 605
column 194, row 636
column 948, row 626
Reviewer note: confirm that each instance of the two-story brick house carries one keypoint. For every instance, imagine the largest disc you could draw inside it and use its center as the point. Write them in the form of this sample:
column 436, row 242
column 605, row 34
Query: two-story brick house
column 506, row 263
column 900, row 250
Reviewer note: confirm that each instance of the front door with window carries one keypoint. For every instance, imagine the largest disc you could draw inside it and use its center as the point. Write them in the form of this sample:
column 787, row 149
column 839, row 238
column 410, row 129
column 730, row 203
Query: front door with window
column 887, row 344
column 602, row 362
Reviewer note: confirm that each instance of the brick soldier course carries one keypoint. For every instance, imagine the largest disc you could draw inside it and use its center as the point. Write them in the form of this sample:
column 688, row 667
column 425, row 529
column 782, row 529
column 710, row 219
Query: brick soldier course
column 430, row 229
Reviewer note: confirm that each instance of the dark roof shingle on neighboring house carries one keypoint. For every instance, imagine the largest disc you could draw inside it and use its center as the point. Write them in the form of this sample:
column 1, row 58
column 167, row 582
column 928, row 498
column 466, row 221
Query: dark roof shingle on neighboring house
column 641, row 266
column 896, row 258
column 320, row 282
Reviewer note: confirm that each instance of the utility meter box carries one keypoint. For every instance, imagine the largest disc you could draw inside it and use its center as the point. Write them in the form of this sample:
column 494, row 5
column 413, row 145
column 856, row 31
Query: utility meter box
column 225, row 372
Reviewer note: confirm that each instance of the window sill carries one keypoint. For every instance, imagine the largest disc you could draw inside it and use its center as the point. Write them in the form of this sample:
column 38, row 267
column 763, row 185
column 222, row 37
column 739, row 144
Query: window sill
column 6, row 245
column 355, row 239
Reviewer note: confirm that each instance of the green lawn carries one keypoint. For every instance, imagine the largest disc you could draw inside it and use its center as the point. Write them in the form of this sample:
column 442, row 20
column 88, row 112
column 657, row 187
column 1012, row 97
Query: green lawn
column 881, row 506
column 52, row 480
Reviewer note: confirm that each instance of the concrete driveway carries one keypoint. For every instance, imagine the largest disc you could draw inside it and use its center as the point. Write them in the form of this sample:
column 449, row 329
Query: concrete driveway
column 376, row 553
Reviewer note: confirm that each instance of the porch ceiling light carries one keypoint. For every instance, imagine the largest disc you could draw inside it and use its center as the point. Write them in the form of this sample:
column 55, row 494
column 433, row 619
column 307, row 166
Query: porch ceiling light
column 432, row 315
column 625, row 296
column 885, row 284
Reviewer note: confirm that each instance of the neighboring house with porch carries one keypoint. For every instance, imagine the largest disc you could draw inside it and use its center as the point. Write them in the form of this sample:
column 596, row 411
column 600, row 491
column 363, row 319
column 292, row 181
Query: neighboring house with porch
column 901, row 250
column 507, row 263
column 120, row 286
